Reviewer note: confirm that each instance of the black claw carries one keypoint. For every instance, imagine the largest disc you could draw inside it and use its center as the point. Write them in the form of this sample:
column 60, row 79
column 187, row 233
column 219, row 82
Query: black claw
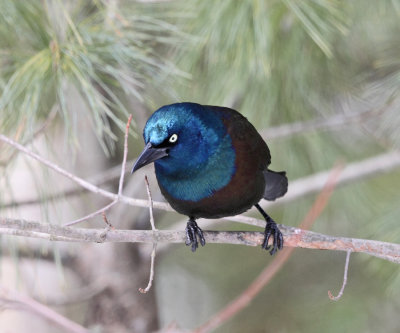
column 265, row 245
column 271, row 229
column 280, row 244
column 192, row 232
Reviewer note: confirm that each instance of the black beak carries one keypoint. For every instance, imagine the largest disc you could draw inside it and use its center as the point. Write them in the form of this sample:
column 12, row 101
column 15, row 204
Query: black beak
column 148, row 155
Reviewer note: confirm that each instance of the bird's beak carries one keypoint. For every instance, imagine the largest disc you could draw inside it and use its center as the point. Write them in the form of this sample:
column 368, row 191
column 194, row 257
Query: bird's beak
column 148, row 155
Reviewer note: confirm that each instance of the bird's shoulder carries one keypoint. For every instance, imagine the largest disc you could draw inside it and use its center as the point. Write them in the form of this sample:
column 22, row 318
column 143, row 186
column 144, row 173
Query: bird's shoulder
column 237, row 125
column 244, row 135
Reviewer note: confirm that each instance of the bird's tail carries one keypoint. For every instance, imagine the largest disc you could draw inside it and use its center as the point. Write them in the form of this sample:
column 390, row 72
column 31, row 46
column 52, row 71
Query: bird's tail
column 276, row 184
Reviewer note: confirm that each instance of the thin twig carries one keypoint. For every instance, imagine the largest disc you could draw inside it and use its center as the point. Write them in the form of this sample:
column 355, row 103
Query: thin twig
column 125, row 154
column 105, row 219
column 12, row 299
column 153, row 227
column 91, row 215
column 244, row 299
column 346, row 268
column 151, row 278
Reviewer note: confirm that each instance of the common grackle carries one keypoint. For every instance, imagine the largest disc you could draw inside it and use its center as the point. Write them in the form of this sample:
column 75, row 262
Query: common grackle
column 210, row 162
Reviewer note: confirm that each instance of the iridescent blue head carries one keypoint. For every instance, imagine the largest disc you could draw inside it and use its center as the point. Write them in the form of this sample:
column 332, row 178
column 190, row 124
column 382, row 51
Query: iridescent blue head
column 191, row 150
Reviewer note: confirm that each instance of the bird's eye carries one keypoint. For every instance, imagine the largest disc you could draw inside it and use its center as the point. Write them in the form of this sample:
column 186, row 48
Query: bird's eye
column 173, row 138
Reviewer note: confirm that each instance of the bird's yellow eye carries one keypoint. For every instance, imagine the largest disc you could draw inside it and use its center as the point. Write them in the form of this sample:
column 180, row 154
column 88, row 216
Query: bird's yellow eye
column 173, row 138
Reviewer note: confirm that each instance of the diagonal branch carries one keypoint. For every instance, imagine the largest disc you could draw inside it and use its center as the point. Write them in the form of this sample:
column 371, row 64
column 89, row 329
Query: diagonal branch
column 353, row 172
column 81, row 182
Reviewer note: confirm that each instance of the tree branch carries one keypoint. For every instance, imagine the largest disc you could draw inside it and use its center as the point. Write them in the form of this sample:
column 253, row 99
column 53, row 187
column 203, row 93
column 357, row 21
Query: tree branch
column 294, row 237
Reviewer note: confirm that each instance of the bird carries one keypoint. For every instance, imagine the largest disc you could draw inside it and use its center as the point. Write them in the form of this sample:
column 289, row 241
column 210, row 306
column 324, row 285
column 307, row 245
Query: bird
column 210, row 162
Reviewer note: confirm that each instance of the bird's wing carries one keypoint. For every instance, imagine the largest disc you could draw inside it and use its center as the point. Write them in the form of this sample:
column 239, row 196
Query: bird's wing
column 245, row 136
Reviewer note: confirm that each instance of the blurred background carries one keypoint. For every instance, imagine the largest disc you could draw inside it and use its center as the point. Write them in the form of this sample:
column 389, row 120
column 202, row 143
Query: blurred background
column 72, row 71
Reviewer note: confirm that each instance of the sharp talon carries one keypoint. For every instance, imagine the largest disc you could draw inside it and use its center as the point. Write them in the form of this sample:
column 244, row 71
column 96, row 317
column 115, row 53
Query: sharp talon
column 201, row 237
column 188, row 238
column 265, row 245
column 271, row 229
column 192, row 232
column 280, row 246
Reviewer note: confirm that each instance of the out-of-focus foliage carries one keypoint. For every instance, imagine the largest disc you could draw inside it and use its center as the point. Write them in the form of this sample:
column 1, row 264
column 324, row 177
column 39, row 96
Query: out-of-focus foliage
column 52, row 47
column 268, row 55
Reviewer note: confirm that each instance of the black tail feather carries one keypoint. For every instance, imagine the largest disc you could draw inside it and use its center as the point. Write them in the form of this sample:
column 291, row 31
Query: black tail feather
column 276, row 184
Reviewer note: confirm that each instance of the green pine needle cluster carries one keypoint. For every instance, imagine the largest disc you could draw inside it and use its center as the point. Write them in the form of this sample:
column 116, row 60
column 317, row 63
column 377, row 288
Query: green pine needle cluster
column 50, row 48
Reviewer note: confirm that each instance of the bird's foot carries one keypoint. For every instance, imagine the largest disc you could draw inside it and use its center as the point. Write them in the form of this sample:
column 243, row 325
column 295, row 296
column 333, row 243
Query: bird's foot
column 192, row 232
column 272, row 230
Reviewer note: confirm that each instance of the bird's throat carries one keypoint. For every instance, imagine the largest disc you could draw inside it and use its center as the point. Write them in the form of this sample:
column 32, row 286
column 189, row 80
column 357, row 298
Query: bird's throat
column 198, row 182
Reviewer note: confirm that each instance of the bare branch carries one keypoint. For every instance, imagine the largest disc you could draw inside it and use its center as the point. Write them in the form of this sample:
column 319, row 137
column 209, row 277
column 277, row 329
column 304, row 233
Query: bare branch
column 294, row 237
column 346, row 268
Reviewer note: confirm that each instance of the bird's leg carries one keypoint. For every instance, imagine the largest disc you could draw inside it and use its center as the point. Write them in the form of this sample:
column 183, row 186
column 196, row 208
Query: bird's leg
column 271, row 229
column 192, row 232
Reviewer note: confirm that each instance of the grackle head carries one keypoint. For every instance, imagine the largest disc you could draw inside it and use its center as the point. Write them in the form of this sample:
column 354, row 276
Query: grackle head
column 179, row 139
